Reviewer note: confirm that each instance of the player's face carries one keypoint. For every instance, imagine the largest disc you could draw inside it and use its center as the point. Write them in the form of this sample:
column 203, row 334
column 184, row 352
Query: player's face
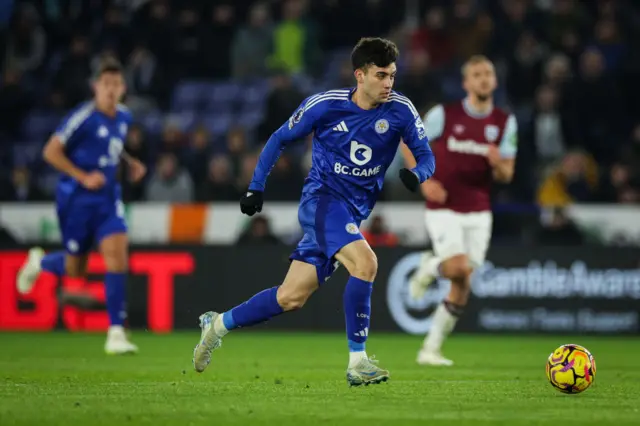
column 480, row 80
column 377, row 82
column 109, row 88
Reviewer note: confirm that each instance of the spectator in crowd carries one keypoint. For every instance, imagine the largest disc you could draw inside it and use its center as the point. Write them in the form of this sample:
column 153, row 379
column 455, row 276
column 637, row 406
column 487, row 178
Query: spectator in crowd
column 282, row 101
column 172, row 139
column 594, row 117
column 557, row 71
column 295, row 47
column 218, row 184
column 378, row 235
column 113, row 34
column 566, row 15
column 252, row 44
column 247, row 168
column 170, row 183
column 286, row 179
column 471, row 29
column 259, row 233
column 433, row 38
column 574, row 180
column 154, row 26
column 145, row 85
column 188, row 46
column 22, row 188
column 236, row 147
column 75, row 71
column 27, row 42
column 547, row 129
column 15, row 102
column 619, row 185
column 525, row 66
column 198, row 154
column 219, row 32
column 608, row 41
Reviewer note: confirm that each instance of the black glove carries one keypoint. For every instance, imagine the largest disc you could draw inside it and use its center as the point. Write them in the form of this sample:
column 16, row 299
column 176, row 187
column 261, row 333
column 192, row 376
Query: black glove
column 251, row 202
column 409, row 179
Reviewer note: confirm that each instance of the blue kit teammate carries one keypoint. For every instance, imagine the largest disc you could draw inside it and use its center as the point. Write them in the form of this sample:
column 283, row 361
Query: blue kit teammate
column 86, row 149
column 356, row 136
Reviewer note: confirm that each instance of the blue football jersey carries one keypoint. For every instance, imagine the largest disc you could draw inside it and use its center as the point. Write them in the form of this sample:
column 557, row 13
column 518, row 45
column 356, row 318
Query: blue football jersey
column 352, row 147
column 93, row 141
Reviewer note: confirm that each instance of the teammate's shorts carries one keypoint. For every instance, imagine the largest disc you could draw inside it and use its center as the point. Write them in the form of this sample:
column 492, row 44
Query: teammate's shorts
column 84, row 223
column 328, row 226
column 454, row 233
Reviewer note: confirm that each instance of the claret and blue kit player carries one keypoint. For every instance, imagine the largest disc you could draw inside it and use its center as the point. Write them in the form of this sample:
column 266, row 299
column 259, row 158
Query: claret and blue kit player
column 86, row 149
column 476, row 143
column 357, row 132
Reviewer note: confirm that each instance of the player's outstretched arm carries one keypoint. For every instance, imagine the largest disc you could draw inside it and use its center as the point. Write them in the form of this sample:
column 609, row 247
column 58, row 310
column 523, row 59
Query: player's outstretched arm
column 297, row 127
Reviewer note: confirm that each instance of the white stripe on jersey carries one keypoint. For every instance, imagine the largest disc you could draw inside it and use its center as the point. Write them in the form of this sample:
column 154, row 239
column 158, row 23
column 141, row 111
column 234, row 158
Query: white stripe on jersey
column 404, row 100
column 75, row 121
column 316, row 101
column 327, row 93
column 122, row 108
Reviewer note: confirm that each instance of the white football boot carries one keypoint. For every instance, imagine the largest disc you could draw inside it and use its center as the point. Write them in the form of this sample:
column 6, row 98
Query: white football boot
column 421, row 278
column 427, row 357
column 366, row 372
column 30, row 270
column 118, row 343
column 209, row 341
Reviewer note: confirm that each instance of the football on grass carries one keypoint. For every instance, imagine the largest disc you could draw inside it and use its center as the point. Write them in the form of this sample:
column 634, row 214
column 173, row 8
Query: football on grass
column 571, row 369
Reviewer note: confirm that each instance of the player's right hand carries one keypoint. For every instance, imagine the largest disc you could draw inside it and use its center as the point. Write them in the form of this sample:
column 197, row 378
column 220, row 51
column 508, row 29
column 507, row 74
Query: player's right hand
column 434, row 191
column 251, row 202
column 93, row 181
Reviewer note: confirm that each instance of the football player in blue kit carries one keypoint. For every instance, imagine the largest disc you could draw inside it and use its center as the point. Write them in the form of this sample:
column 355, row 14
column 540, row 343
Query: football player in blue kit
column 357, row 132
column 86, row 149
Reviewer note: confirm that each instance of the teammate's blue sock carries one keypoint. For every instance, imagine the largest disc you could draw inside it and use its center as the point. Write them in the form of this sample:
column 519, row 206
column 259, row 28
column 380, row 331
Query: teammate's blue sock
column 357, row 312
column 259, row 308
column 114, row 283
column 54, row 263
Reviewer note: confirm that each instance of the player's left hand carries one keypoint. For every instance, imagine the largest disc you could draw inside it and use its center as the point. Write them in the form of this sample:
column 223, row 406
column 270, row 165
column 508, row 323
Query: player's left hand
column 493, row 155
column 409, row 179
column 251, row 202
column 137, row 170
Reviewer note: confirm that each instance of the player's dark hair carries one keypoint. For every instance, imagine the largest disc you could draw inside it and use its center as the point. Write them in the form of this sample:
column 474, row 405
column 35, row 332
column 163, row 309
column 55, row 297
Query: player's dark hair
column 108, row 66
column 374, row 51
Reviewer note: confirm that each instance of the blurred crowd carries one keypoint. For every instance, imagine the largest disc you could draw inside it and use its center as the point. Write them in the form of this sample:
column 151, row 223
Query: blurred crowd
column 210, row 80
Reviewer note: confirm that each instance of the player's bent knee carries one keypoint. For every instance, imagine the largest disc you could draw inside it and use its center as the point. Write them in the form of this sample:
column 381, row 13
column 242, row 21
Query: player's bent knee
column 116, row 262
column 114, row 249
column 366, row 267
column 457, row 268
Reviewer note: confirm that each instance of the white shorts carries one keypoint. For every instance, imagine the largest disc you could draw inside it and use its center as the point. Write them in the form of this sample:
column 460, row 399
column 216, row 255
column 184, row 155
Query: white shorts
column 454, row 233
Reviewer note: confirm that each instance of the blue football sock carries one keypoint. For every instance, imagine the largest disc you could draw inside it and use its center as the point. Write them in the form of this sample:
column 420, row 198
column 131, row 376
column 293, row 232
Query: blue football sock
column 259, row 308
column 54, row 263
column 357, row 312
column 115, row 290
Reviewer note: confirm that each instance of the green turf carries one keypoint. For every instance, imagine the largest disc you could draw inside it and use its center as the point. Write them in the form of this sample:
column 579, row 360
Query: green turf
column 298, row 379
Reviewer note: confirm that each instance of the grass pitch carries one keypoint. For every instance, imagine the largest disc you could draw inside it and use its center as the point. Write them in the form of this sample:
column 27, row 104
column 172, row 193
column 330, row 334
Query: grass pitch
column 298, row 379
